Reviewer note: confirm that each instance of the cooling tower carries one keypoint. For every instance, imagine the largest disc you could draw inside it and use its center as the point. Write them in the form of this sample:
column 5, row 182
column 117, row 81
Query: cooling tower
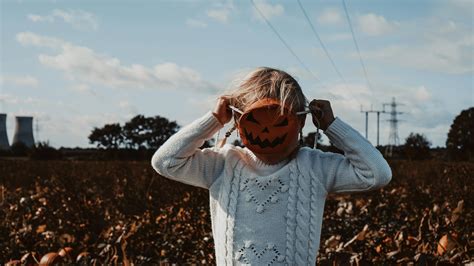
column 24, row 131
column 3, row 133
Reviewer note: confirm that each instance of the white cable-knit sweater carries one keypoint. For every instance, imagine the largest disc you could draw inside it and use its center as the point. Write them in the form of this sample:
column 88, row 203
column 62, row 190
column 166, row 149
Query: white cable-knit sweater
column 269, row 214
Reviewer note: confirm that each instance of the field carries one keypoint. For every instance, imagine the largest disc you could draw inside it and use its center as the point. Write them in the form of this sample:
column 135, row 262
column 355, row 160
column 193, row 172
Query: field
column 123, row 212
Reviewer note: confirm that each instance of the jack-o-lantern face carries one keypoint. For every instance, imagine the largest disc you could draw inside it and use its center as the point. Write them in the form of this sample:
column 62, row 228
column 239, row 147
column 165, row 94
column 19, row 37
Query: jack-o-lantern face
column 264, row 130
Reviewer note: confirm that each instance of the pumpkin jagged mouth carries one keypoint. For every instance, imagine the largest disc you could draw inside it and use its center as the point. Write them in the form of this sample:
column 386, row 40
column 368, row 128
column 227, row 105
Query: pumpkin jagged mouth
column 265, row 143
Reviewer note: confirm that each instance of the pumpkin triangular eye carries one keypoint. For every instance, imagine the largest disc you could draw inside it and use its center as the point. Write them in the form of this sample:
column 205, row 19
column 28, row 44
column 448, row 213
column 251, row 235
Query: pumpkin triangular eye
column 282, row 123
column 251, row 119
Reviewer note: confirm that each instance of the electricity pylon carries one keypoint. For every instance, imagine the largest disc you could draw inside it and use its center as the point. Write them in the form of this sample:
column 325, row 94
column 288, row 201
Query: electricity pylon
column 393, row 139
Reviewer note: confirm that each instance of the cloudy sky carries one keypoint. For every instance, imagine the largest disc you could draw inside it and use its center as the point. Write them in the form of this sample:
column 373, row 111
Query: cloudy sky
column 76, row 65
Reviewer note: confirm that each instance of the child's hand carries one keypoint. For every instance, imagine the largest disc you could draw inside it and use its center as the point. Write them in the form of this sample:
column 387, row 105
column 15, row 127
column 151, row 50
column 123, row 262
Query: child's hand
column 222, row 111
column 321, row 111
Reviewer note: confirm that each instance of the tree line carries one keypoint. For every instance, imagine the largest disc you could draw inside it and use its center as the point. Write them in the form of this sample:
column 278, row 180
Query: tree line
column 151, row 132
column 140, row 136
column 139, row 133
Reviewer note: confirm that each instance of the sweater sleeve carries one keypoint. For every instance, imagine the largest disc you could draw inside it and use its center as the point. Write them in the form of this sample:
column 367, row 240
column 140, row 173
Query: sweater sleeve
column 180, row 158
column 361, row 168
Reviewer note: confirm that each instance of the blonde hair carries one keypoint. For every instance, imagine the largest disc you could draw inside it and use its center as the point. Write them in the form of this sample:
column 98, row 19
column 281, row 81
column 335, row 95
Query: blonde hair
column 265, row 82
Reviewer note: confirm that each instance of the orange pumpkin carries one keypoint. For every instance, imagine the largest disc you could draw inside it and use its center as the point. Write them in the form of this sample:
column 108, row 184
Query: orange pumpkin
column 265, row 130
column 51, row 258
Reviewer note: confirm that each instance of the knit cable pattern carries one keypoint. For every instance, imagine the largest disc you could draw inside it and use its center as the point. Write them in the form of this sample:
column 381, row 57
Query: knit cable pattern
column 225, row 202
column 302, row 219
column 231, row 207
column 313, row 230
column 291, row 214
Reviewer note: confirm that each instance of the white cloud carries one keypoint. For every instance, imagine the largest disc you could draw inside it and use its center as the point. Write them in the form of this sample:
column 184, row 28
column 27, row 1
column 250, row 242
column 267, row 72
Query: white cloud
column 426, row 118
column 443, row 46
column 464, row 4
column 34, row 102
column 28, row 38
column 38, row 18
column 84, row 89
column 339, row 37
column 330, row 16
column 9, row 99
column 441, row 55
column 221, row 11
column 65, row 130
column 84, row 65
column 71, row 126
column 350, row 97
column 422, row 94
column 128, row 107
column 449, row 27
column 194, row 23
column 422, row 112
column 221, row 15
column 268, row 10
column 79, row 19
column 22, row 81
column 374, row 25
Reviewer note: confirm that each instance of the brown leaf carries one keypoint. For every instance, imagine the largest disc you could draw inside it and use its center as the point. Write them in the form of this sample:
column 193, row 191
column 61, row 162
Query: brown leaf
column 457, row 212
column 333, row 241
column 360, row 236
column 40, row 229
column 446, row 244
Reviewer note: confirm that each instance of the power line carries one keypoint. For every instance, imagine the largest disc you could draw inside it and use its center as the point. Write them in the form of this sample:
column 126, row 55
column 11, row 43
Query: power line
column 356, row 45
column 283, row 41
column 320, row 41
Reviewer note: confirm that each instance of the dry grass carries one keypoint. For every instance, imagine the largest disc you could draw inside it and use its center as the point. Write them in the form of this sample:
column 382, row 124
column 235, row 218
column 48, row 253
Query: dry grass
column 123, row 212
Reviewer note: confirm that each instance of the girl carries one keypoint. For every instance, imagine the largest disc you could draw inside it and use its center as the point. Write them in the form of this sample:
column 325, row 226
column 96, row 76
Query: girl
column 267, row 199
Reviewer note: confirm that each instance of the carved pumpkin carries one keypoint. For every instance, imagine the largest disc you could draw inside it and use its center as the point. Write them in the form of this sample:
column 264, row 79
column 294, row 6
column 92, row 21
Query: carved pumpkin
column 265, row 130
